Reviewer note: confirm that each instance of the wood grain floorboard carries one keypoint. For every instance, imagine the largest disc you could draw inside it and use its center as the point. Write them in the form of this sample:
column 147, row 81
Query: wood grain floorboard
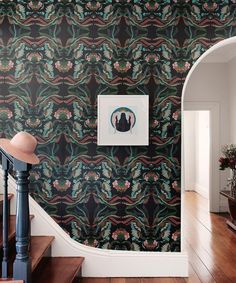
column 193, row 277
column 119, row 280
column 125, row 280
column 210, row 244
column 162, row 280
column 203, row 273
column 95, row 280
column 157, row 280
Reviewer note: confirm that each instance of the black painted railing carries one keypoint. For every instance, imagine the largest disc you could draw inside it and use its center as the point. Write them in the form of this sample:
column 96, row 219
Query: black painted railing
column 22, row 263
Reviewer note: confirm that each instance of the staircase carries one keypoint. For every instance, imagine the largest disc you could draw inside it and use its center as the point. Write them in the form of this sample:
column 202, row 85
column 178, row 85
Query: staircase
column 26, row 258
column 45, row 269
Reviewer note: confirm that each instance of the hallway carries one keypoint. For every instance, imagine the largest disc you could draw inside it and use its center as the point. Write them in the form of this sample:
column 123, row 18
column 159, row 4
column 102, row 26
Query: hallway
column 210, row 244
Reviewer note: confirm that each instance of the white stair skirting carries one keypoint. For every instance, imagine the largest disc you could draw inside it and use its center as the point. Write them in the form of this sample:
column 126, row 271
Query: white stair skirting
column 101, row 262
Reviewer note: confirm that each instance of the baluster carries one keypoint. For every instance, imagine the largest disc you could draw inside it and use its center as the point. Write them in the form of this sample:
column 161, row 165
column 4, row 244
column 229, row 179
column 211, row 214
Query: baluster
column 5, row 219
column 22, row 263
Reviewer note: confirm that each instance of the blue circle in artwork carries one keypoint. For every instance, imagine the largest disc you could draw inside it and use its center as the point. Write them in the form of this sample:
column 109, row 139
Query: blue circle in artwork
column 123, row 119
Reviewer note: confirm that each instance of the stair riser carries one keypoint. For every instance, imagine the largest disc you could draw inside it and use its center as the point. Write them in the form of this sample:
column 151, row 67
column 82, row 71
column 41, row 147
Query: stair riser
column 1, row 210
column 77, row 278
column 11, row 251
column 43, row 260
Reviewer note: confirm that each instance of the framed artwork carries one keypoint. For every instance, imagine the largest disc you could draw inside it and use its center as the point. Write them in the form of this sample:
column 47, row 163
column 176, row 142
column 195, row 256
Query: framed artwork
column 123, row 119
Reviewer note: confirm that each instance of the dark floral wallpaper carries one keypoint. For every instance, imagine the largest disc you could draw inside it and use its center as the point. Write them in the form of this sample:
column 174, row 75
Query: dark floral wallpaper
column 56, row 57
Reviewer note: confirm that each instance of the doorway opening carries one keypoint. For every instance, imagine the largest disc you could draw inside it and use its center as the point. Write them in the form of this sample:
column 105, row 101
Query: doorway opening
column 197, row 152
column 210, row 85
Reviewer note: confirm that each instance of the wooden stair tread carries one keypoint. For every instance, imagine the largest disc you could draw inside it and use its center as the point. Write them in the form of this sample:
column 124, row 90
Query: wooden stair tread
column 12, row 228
column 10, row 196
column 59, row 269
column 11, row 281
column 38, row 248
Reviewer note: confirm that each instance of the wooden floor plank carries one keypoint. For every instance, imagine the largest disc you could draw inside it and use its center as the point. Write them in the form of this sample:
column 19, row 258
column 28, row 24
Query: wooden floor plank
column 179, row 280
column 158, row 280
column 193, row 278
column 199, row 267
column 118, row 280
column 211, row 245
column 131, row 280
column 95, row 280
column 125, row 280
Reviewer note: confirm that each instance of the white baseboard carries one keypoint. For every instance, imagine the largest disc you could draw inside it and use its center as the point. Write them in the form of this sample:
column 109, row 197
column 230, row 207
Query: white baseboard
column 106, row 263
column 202, row 191
column 189, row 187
column 224, row 208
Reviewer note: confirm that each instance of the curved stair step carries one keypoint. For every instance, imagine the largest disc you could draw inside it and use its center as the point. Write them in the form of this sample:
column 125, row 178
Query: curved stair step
column 39, row 248
column 59, row 269
column 11, row 281
column 10, row 196
column 11, row 228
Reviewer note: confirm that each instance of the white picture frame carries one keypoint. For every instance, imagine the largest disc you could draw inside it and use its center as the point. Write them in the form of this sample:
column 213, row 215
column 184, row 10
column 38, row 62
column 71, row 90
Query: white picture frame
column 123, row 120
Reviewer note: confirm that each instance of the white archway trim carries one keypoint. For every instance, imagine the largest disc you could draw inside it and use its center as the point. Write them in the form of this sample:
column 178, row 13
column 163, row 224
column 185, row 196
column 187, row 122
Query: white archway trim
column 221, row 44
column 215, row 139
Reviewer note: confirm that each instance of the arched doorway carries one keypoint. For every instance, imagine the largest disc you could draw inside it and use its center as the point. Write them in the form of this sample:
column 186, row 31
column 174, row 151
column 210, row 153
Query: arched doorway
column 209, row 86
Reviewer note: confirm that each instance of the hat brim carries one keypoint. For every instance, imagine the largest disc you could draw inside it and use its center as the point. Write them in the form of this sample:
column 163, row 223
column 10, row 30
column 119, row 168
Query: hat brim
column 16, row 153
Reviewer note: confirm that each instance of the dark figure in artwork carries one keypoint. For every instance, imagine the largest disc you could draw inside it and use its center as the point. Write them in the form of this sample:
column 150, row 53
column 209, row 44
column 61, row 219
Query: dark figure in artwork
column 123, row 125
column 123, row 120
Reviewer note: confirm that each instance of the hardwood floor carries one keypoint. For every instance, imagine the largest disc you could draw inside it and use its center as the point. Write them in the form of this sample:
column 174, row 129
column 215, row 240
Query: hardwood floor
column 210, row 244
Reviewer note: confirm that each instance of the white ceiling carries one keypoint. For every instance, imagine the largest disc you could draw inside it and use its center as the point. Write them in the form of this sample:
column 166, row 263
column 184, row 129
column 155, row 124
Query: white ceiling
column 221, row 55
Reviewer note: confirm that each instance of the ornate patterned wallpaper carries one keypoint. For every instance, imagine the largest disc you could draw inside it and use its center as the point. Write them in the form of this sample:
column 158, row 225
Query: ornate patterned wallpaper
column 56, row 58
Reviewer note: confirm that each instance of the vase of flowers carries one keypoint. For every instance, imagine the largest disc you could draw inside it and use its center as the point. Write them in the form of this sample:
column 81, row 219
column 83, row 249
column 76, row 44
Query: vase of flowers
column 229, row 161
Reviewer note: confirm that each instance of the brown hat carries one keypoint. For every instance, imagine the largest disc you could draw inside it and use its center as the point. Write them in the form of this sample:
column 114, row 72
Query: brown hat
column 22, row 147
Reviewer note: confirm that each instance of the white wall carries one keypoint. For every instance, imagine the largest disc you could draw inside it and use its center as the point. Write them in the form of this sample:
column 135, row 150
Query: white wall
column 232, row 99
column 209, row 84
column 202, row 143
column 196, row 151
column 189, row 149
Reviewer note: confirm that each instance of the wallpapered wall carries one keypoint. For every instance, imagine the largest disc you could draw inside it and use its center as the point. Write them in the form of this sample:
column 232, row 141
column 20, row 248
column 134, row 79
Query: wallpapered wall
column 56, row 58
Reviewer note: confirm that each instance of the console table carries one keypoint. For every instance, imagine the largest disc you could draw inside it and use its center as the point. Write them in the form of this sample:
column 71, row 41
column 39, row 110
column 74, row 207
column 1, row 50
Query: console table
column 232, row 209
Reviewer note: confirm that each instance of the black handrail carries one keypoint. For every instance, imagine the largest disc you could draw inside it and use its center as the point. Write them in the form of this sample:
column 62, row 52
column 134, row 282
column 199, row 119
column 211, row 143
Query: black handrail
column 22, row 263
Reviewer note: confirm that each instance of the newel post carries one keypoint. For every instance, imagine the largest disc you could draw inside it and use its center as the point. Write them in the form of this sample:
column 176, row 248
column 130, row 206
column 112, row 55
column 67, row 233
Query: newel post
column 22, row 263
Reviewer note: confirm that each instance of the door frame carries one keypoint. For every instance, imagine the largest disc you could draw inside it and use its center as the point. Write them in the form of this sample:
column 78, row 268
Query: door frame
column 214, row 149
